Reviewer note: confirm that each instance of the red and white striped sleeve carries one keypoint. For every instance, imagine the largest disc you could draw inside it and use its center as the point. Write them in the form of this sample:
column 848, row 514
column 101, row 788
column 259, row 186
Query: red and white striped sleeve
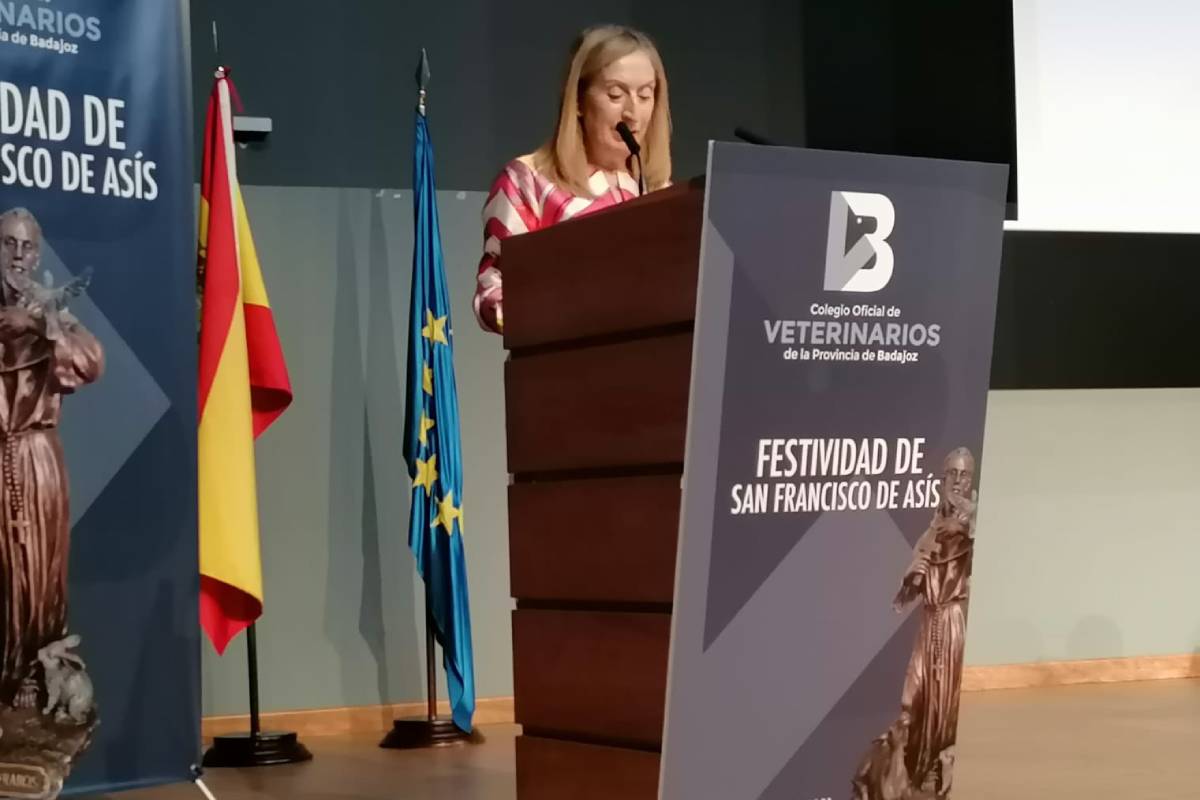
column 513, row 207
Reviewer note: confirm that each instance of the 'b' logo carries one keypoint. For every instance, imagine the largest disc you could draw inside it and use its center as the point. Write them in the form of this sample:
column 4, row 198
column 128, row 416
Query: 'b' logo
column 853, row 246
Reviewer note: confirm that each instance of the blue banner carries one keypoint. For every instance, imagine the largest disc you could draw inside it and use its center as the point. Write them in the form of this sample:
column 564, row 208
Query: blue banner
column 99, row 682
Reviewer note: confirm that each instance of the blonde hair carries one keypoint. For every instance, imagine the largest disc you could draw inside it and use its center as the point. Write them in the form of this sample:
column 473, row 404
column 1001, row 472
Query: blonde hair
column 564, row 158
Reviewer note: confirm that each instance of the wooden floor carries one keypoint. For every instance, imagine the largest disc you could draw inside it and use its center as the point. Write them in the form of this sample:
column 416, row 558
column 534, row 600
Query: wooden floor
column 1128, row 741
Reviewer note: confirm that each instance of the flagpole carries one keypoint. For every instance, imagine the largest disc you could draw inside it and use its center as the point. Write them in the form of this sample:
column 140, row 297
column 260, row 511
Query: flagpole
column 256, row 747
column 431, row 731
column 252, row 668
column 430, row 665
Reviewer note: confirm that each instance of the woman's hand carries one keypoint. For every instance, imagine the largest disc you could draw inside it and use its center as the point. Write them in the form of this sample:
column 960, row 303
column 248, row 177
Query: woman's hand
column 492, row 311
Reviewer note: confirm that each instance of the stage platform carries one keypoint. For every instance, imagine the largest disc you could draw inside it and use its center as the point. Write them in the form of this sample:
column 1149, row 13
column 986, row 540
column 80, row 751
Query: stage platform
column 1131, row 740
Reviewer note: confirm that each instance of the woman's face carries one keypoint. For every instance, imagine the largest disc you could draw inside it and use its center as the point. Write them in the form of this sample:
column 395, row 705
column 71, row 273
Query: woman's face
column 624, row 90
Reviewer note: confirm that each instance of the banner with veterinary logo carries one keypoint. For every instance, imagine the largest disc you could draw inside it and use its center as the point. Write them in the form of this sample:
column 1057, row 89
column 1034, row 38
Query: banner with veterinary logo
column 99, row 658
column 842, row 353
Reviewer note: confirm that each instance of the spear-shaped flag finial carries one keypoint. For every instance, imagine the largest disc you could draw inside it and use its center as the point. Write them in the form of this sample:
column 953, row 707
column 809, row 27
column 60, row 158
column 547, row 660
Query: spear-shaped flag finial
column 422, row 80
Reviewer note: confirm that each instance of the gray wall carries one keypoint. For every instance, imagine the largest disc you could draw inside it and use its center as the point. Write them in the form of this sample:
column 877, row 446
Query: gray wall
column 1088, row 531
column 343, row 624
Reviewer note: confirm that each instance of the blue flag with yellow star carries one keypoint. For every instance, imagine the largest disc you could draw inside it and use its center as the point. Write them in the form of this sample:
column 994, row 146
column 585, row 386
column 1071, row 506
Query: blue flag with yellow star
column 432, row 442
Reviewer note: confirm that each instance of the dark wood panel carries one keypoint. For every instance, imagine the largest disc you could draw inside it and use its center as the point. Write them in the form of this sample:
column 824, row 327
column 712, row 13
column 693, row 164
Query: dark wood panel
column 1097, row 310
column 616, row 405
column 551, row 769
column 603, row 539
column 594, row 675
column 627, row 268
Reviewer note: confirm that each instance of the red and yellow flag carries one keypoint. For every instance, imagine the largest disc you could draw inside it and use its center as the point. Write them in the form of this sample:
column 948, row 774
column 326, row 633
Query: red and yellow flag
column 244, row 386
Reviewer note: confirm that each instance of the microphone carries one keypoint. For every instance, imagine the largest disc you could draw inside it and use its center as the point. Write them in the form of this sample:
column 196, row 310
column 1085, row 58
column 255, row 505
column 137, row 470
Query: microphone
column 635, row 150
column 627, row 137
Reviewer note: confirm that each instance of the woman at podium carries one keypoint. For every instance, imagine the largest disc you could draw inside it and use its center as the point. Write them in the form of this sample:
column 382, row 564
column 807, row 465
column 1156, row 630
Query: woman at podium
column 615, row 75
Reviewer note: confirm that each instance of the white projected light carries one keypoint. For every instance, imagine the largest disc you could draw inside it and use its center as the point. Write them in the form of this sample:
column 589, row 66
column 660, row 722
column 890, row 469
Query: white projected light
column 1108, row 115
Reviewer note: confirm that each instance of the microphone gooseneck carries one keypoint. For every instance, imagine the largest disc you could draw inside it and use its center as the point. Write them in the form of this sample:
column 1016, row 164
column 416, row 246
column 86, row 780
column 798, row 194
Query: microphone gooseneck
column 635, row 150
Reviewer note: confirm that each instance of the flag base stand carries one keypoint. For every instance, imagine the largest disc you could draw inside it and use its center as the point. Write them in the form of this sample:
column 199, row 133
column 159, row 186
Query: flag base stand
column 264, row 749
column 256, row 748
column 432, row 731
column 412, row 734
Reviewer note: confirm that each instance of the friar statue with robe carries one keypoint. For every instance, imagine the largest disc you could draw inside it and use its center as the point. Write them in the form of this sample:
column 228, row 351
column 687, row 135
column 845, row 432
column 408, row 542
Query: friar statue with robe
column 917, row 755
column 45, row 353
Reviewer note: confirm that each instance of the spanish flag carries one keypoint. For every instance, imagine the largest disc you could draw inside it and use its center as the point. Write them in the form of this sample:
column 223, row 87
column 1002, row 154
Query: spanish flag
column 243, row 386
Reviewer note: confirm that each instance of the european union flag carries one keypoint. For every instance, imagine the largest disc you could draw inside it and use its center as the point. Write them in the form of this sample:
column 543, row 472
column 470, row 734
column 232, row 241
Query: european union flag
column 432, row 442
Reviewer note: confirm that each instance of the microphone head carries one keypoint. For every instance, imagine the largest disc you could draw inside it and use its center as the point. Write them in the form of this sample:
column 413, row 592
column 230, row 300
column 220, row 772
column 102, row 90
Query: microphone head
column 627, row 137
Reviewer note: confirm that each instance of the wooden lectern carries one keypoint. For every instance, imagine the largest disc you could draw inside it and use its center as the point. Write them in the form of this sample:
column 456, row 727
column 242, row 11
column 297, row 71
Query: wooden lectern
column 598, row 318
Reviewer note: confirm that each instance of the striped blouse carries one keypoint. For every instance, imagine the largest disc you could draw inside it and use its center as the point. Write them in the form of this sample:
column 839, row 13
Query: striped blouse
column 521, row 200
